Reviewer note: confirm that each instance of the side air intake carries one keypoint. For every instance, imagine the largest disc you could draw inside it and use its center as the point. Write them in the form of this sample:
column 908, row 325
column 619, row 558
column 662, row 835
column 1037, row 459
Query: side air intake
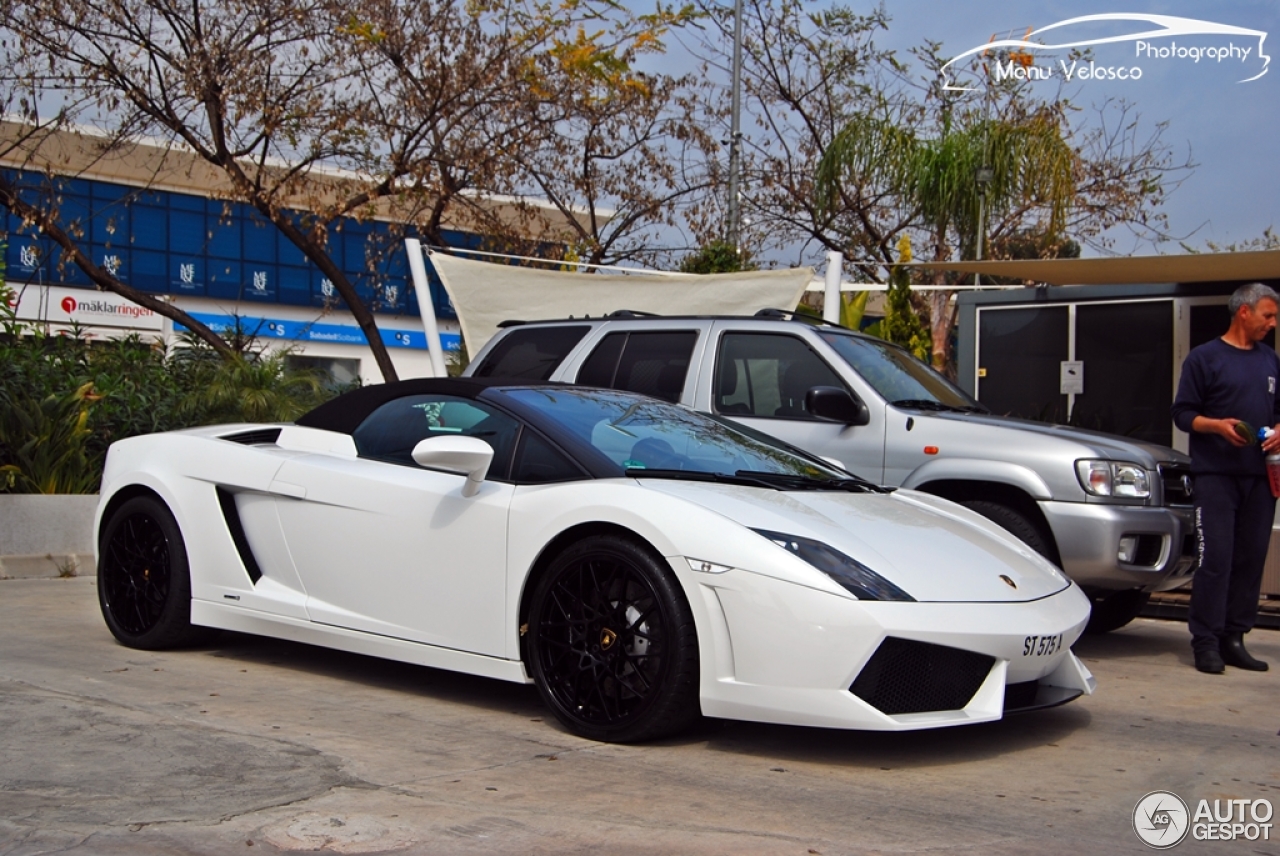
column 227, row 500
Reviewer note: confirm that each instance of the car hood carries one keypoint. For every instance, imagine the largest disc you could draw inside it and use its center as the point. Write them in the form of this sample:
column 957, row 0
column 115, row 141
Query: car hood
column 1088, row 443
column 933, row 549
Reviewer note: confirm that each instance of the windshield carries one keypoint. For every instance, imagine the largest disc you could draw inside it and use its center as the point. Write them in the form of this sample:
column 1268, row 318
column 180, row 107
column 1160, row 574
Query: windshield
column 896, row 375
column 641, row 434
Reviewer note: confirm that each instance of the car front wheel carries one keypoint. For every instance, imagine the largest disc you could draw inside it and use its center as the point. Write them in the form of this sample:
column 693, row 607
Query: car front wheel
column 611, row 643
column 144, row 584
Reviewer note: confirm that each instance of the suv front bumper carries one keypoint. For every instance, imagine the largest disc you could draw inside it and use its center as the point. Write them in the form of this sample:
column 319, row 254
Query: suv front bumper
column 1088, row 536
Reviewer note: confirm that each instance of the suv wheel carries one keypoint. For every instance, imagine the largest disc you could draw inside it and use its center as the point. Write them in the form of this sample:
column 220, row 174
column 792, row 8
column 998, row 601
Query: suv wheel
column 1017, row 523
column 1114, row 609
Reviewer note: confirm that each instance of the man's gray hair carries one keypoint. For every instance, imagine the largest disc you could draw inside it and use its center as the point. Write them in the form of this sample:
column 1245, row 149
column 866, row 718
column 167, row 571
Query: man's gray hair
column 1249, row 295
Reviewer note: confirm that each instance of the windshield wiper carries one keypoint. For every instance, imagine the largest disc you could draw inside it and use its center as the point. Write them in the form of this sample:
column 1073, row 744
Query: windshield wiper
column 933, row 404
column 759, row 478
column 691, row 475
column 789, row 481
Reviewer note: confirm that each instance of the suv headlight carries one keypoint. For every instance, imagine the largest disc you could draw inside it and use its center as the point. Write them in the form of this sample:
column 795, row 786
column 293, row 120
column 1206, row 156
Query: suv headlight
column 857, row 578
column 1112, row 478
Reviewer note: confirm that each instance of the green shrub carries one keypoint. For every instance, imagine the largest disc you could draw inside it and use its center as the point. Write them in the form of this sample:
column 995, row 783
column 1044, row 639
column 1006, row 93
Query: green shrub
column 46, row 442
column 64, row 400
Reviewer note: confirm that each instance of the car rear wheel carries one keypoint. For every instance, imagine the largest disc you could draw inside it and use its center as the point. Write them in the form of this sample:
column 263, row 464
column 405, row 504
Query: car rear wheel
column 611, row 643
column 144, row 584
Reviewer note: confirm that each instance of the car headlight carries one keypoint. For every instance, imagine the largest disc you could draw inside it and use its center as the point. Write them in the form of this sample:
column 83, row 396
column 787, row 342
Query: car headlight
column 1111, row 478
column 857, row 578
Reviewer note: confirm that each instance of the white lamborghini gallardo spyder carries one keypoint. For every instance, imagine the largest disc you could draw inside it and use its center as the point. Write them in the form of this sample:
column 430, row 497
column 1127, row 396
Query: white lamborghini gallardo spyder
column 639, row 562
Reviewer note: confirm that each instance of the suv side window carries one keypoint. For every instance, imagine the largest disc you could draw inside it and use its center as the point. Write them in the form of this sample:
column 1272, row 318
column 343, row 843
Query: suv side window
column 530, row 353
column 768, row 374
column 651, row 363
column 390, row 432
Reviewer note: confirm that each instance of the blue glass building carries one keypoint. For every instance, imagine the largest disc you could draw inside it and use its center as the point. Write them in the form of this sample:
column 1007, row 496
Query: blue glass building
column 168, row 242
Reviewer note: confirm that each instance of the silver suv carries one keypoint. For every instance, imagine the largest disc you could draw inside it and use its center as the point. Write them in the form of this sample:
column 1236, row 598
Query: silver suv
column 1114, row 513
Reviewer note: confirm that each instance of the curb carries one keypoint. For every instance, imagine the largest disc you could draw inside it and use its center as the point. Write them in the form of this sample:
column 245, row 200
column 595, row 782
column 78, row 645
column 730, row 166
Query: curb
column 49, row 565
column 45, row 536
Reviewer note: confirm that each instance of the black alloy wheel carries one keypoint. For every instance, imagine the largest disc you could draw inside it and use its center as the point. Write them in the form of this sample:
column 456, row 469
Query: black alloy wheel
column 612, row 644
column 144, row 584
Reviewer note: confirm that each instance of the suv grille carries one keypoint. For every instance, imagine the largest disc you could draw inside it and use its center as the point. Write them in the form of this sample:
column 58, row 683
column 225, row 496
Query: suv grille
column 905, row 676
column 1176, row 479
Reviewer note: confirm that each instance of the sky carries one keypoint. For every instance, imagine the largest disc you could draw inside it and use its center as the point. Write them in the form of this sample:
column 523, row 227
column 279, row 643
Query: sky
column 1229, row 129
column 1232, row 129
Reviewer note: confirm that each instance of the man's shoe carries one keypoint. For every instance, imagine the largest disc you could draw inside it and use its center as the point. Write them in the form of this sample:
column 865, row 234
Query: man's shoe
column 1234, row 654
column 1210, row 661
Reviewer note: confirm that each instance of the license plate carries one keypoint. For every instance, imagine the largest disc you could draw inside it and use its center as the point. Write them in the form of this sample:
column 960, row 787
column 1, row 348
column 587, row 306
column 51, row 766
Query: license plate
column 1041, row 646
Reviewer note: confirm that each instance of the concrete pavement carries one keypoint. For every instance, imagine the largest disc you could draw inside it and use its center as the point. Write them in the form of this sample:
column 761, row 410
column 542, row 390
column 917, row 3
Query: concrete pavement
column 256, row 746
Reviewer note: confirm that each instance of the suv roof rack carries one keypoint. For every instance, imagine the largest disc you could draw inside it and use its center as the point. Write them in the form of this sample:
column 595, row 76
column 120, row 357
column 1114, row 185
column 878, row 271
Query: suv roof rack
column 803, row 317
column 623, row 314
column 632, row 313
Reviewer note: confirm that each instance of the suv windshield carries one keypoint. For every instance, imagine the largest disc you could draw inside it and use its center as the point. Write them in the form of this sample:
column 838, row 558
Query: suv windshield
column 896, row 375
column 646, row 437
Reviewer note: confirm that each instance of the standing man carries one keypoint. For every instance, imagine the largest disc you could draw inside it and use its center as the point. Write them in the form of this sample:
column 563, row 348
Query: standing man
column 1227, row 391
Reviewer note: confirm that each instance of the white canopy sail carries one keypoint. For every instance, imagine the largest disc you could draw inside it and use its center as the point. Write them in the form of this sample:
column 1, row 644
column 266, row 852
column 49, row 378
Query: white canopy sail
column 485, row 294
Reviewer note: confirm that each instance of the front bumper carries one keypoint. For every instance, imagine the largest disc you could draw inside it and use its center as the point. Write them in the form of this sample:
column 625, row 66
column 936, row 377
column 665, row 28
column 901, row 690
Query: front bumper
column 1088, row 538
column 777, row 652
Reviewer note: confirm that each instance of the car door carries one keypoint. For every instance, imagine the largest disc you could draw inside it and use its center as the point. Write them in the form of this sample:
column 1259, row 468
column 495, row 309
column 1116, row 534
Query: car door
column 384, row 546
column 760, row 379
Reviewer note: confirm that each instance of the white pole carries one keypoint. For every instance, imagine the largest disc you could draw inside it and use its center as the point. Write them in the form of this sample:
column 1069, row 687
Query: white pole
column 735, row 131
column 423, row 286
column 831, row 302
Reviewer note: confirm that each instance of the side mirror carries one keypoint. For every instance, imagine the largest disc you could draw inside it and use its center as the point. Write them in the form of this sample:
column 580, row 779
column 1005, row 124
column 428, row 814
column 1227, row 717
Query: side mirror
column 468, row 456
column 832, row 404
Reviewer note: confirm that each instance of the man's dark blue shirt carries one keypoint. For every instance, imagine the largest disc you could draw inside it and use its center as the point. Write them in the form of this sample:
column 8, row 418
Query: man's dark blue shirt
column 1221, row 381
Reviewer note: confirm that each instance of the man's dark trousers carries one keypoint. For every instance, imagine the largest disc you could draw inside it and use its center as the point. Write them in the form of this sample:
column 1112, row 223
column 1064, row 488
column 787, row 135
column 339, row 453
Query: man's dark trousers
column 1233, row 527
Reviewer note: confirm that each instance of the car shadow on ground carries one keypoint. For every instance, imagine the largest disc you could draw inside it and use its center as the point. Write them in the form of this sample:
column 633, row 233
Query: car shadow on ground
column 885, row 750
column 379, row 673
column 1143, row 639
column 783, row 743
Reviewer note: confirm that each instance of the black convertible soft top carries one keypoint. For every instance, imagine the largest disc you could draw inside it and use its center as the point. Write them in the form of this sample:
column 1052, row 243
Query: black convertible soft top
column 345, row 413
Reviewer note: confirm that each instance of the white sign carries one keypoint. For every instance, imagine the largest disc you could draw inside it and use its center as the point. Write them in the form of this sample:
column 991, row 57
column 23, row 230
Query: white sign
column 86, row 307
column 1072, row 378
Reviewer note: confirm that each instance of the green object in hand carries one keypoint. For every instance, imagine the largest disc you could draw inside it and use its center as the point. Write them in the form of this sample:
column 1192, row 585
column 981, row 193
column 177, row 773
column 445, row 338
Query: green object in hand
column 1245, row 430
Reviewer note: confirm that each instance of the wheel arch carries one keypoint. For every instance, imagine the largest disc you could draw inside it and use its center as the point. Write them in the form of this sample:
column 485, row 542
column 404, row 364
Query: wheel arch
column 1012, row 496
column 119, row 498
column 559, row 544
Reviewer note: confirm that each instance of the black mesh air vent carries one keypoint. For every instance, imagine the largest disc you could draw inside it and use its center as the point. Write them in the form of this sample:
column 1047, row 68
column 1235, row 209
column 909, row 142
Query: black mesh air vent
column 255, row 437
column 1017, row 696
column 905, row 676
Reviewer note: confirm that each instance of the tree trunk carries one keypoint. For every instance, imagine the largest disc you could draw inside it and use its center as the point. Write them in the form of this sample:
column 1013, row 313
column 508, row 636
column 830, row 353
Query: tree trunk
column 362, row 314
column 942, row 317
column 941, row 311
